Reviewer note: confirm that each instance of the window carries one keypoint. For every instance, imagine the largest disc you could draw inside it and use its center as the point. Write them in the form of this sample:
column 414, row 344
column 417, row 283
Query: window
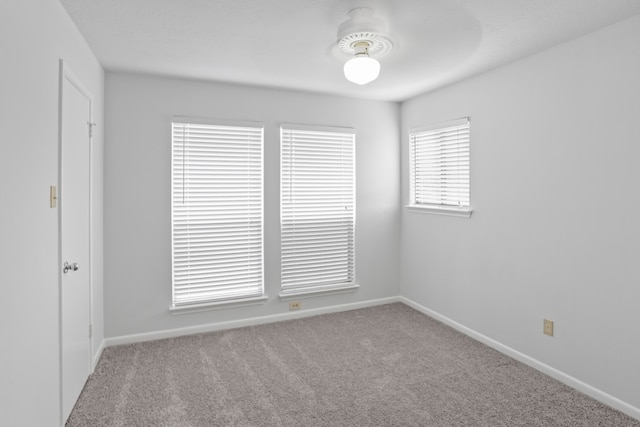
column 439, row 168
column 216, row 207
column 317, row 202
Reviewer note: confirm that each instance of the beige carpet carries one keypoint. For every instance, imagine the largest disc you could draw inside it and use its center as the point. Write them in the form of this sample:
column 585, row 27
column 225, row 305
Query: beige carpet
column 382, row 366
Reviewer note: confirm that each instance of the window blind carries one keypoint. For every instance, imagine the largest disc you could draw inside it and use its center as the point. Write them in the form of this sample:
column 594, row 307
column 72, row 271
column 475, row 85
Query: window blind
column 216, row 202
column 317, row 209
column 439, row 165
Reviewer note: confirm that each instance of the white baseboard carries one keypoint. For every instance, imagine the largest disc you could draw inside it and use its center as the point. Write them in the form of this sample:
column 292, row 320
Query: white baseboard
column 575, row 383
column 96, row 356
column 253, row 321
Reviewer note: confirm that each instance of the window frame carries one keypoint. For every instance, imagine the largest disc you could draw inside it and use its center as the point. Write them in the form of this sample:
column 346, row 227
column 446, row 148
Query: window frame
column 254, row 211
column 288, row 288
column 460, row 210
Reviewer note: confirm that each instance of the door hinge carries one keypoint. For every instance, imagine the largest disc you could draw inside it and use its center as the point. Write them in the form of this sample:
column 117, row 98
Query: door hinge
column 91, row 125
column 90, row 331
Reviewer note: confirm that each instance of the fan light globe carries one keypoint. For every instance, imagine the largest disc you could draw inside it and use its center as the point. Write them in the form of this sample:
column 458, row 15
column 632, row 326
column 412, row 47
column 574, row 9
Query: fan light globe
column 361, row 70
column 364, row 38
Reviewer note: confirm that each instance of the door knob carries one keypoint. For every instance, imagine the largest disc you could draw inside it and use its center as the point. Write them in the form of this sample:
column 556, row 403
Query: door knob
column 70, row 267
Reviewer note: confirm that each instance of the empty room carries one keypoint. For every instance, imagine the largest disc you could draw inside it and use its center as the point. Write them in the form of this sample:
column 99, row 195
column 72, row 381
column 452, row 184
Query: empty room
column 320, row 213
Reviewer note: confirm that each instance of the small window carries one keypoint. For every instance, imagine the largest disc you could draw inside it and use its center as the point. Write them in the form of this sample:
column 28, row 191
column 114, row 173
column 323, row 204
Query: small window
column 439, row 168
column 216, row 213
column 317, row 196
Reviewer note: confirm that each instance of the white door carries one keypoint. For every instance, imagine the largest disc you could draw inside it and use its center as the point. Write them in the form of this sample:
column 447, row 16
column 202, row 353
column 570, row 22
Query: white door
column 74, row 240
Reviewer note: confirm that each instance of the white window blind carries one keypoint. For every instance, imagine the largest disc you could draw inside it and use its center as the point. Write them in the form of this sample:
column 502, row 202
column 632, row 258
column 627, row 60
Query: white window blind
column 317, row 209
column 439, row 165
column 216, row 211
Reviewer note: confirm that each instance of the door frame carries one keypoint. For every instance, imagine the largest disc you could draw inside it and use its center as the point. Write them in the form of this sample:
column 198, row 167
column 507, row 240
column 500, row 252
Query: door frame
column 65, row 73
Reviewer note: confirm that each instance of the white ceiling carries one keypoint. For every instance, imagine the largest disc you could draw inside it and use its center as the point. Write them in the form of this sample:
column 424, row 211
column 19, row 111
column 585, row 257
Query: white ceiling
column 291, row 43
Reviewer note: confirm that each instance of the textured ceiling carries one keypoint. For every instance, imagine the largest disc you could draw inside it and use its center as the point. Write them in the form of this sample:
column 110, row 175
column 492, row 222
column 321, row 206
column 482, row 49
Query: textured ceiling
column 292, row 43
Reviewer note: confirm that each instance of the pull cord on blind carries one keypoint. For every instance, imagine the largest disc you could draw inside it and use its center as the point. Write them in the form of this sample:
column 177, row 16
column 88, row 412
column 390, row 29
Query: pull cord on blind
column 439, row 165
column 317, row 209
column 216, row 201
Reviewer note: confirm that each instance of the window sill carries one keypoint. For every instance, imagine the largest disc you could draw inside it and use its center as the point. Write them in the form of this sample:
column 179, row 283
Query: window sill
column 439, row 210
column 217, row 305
column 316, row 292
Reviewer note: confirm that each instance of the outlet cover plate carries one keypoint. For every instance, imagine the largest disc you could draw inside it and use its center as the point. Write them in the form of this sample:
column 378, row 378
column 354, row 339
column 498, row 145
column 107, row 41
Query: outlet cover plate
column 295, row 305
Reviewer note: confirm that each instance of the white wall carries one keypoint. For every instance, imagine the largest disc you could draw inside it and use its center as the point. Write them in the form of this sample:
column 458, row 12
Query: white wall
column 137, row 198
column 34, row 35
column 555, row 144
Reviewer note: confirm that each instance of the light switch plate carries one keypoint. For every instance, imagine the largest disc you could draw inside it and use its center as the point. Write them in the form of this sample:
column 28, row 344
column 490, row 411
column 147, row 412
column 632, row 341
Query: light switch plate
column 53, row 196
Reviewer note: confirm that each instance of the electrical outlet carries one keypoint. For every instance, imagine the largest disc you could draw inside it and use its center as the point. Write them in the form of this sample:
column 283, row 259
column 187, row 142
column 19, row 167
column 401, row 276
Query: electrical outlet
column 295, row 305
column 548, row 327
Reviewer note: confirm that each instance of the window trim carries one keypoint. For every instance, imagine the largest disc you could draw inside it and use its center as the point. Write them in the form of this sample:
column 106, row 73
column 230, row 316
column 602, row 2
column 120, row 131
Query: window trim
column 318, row 292
column 218, row 305
column 440, row 210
